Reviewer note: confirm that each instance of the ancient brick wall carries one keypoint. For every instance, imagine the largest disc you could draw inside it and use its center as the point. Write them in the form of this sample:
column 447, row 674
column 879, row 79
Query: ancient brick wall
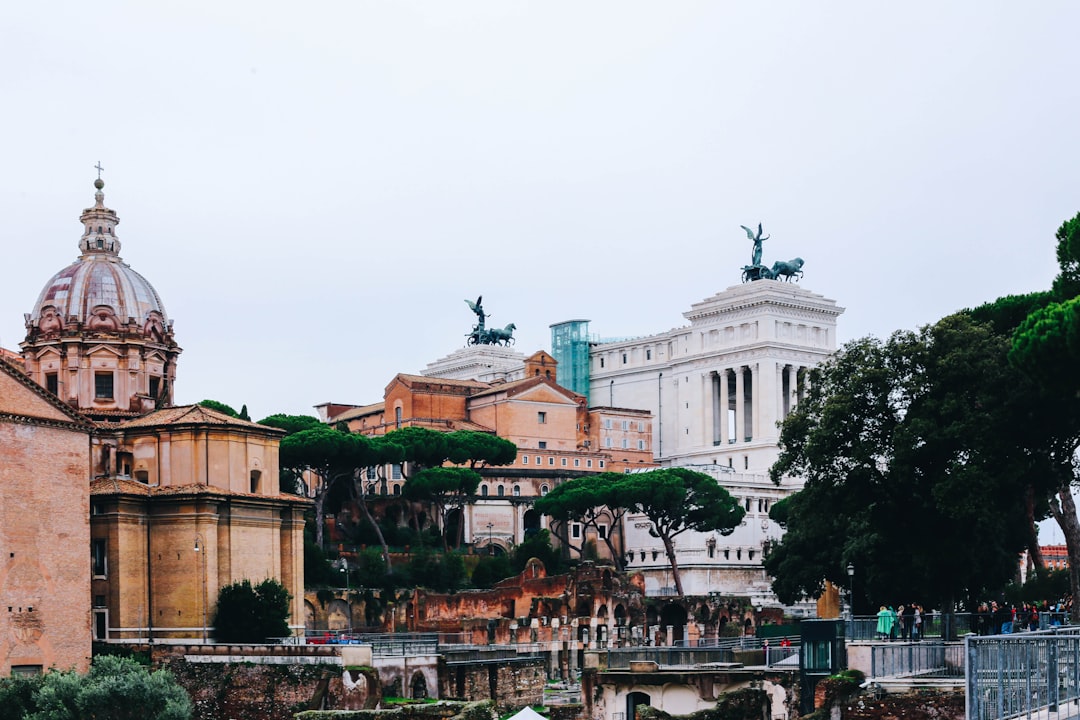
column 510, row 685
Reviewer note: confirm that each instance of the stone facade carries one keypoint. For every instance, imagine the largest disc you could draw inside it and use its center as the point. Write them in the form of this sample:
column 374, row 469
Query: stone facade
column 510, row 685
column 44, row 523
column 716, row 390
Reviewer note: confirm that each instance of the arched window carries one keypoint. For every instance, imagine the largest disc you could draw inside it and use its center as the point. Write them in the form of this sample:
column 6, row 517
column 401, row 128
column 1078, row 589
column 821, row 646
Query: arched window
column 543, row 490
column 483, row 491
column 501, row 491
column 517, row 491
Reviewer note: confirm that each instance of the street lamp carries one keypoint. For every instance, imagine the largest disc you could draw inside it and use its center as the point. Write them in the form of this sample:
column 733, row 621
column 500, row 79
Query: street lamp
column 851, row 589
column 345, row 569
column 491, row 549
column 200, row 561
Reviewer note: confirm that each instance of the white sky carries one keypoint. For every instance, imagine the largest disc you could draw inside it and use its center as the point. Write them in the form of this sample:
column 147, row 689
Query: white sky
column 314, row 188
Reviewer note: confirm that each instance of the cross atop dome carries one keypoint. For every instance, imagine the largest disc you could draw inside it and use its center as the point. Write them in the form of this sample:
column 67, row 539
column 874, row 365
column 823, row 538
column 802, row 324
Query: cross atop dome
column 99, row 234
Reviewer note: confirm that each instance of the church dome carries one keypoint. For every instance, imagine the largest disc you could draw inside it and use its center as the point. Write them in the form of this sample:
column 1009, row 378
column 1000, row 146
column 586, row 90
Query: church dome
column 99, row 292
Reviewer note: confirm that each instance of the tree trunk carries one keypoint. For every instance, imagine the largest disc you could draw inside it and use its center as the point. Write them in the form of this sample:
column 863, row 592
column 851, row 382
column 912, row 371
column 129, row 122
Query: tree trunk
column 669, row 548
column 1034, row 551
column 1063, row 508
column 320, row 518
column 378, row 532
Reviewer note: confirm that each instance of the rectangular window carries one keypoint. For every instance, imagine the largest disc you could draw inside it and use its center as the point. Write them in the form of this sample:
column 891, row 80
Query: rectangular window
column 539, row 461
column 648, row 354
column 588, row 463
column 607, row 423
column 577, row 462
column 542, row 444
column 601, row 532
column 397, row 416
column 641, row 427
column 640, row 444
column 101, row 624
column 625, row 443
column 624, row 358
column 98, row 558
column 103, row 386
column 601, row 464
column 155, row 386
column 524, row 459
column 372, row 473
column 625, row 424
column 563, row 462
column 575, row 531
column 541, row 417
column 52, row 383
column 551, row 461
column 607, row 442
column 395, row 471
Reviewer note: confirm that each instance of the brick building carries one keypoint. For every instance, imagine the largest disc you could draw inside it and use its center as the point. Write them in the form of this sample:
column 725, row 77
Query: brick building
column 558, row 438
column 44, row 526
column 172, row 502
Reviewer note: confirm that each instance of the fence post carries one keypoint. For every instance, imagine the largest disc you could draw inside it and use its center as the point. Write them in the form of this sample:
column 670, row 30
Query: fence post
column 971, row 665
column 1051, row 672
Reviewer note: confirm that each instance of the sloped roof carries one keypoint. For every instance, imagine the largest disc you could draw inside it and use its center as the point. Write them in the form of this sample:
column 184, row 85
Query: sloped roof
column 410, row 380
column 193, row 415
column 517, row 387
column 18, row 375
column 357, row 412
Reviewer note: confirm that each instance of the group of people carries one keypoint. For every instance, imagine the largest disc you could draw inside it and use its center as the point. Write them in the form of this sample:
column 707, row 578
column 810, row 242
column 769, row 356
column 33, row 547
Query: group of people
column 905, row 621
column 996, row 619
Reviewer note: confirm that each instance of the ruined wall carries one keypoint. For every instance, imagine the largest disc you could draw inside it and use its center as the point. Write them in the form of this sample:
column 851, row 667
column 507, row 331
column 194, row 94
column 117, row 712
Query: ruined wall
column 510, row 685
column 242, row 691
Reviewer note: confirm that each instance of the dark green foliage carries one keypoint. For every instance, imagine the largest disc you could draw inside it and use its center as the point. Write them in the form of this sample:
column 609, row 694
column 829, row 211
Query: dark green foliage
column 116, row 688
column 317, row 568
column 243, row 414
column 478, row 449
column 441, row 572
column 291, row 424
column 17, row 695
column 491, row 569
column 909, row 446
column 536, row 545
column 249, row 613
column 220, row 407
column 1067, row 283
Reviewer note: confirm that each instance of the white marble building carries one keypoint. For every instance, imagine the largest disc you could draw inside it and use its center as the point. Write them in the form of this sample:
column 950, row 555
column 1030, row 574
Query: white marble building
column 717, row 390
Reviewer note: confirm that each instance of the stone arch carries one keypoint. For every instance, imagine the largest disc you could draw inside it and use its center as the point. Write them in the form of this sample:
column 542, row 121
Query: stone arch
column 702, row 614
column 602, row 612
column 674, row 616
column 652, row 617
column 418, row 688
column 338, row 615
column 620, row 614
column 531, row 522
column 633, row 700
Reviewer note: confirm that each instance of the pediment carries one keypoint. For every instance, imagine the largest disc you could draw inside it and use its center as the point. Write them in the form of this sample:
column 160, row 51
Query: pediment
column 543, row 393
column 99, row 349
column 47, row 353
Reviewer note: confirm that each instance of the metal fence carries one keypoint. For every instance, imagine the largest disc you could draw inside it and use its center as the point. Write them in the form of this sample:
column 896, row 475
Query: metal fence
column 1022, row 675
column 677, row 656
column 939, row 625
column 917, row 659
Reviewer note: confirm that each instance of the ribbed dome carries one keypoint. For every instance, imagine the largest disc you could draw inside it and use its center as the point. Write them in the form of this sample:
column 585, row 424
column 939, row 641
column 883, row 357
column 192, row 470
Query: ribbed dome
column 99, row 292
column 96, row 281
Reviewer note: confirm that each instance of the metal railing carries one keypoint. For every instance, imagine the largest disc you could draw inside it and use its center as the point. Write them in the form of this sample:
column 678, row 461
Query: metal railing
column 1020, row 675
column 719, row 651
column 931, row 658
column 939, row 625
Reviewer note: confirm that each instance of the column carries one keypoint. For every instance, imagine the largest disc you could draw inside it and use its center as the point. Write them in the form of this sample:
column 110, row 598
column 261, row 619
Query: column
column 793, row 387
column 716, row 427
column 725, row 433
column 740, row 410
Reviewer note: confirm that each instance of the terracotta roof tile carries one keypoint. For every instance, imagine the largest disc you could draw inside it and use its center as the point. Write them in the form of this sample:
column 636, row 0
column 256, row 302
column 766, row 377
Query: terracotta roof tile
column 192, row 415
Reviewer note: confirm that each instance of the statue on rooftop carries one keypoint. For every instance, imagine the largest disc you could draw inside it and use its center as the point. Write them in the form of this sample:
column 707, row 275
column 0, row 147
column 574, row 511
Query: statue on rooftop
column 757, row 271
column 481, row 334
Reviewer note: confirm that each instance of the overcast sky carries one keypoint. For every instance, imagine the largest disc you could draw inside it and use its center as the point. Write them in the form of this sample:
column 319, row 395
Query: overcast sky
column 314, row 188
